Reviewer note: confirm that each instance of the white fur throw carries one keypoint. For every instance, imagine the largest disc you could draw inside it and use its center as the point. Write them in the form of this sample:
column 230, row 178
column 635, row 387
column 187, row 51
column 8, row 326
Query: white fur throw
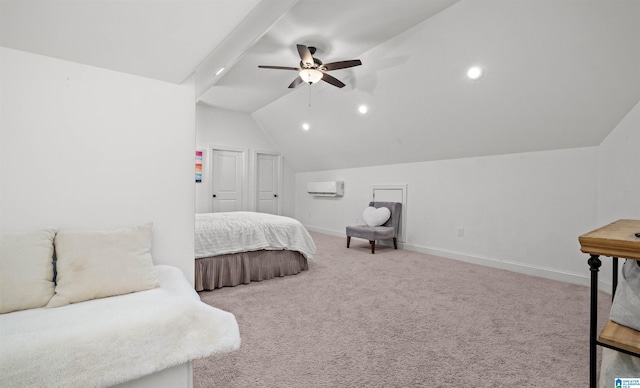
column 376, row 217
column 108, row 341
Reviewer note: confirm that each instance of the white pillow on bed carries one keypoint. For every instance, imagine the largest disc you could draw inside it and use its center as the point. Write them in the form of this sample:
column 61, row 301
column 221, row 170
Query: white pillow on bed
column 376, row 217
column 26, row 270
column 93, row 265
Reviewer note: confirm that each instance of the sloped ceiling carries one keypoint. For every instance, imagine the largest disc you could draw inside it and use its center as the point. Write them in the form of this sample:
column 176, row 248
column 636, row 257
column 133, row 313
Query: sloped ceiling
column 164, row 40
column 557, row 74
column 339, row 29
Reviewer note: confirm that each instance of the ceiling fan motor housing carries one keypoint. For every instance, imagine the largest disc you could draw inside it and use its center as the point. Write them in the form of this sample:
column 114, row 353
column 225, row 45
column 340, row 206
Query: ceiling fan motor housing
column 316, row 61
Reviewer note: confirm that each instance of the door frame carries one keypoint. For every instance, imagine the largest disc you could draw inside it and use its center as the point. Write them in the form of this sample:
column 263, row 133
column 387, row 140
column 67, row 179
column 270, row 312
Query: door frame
column 245, row 172
column 403, row 213
column 280, row 177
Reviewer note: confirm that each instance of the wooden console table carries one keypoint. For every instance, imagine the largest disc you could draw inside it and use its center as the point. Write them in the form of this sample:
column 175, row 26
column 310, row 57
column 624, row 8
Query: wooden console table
column 616, row 240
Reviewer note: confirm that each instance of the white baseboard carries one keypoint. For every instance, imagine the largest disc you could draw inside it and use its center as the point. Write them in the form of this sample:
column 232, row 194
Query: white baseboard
column 527, row 269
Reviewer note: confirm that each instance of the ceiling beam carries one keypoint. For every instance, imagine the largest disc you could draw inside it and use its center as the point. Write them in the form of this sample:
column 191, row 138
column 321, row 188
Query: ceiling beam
column 239, row 41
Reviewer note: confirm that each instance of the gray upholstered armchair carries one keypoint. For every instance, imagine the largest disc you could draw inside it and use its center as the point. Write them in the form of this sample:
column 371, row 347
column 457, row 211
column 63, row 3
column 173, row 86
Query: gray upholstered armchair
column 386, row 231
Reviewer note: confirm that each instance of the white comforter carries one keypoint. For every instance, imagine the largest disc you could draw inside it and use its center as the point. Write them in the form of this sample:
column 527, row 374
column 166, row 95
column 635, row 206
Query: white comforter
column 232, row 232
column 107, row 341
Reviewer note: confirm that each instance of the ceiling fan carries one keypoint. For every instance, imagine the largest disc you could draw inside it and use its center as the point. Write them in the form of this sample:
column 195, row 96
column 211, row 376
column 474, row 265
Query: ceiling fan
column 312, row 69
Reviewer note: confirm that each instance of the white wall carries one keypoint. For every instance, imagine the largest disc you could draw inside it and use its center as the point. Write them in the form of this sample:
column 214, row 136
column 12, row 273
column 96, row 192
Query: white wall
column 619, row 171
column 85, row 148
column 522, row 212
column 1, row 126
column 225, row 128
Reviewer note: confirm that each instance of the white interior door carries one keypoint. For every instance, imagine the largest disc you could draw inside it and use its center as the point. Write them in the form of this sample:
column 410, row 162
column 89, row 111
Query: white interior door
column 268, row 183
column 227, row 173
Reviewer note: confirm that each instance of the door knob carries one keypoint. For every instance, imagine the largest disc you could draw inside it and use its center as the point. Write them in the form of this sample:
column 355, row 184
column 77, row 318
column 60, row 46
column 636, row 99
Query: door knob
column 275, row 195
column 214, row 195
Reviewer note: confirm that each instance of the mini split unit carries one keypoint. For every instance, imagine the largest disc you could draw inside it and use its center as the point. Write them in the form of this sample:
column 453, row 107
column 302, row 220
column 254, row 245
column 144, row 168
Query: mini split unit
column 326, row 189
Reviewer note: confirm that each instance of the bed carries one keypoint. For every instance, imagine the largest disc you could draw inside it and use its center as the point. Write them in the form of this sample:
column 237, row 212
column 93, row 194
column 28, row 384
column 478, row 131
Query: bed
column 234, row 248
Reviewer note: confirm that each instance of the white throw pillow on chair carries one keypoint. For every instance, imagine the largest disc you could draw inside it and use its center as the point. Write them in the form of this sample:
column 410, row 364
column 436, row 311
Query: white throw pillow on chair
column 376, row 217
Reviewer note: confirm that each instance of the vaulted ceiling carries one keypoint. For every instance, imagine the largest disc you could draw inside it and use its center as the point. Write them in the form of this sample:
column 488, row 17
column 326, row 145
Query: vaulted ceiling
column 340, row 30
column 557, row 74
column 164, row 40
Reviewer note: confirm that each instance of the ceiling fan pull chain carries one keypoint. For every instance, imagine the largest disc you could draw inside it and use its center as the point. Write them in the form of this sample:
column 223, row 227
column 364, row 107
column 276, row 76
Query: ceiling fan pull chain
column 309, row 95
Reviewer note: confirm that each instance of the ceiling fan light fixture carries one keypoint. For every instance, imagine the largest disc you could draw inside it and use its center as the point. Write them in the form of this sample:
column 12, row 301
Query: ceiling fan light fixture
column 311, row 76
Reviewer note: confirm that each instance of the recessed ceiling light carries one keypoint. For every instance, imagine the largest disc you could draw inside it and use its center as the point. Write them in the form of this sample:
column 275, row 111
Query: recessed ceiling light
column 363, row 109
column 305, row 126
column 474, row 72
column 220, row 71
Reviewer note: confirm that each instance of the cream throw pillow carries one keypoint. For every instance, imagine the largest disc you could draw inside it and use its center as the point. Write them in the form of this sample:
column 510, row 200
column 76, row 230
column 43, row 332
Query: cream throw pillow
column 26, row 270
column 93, row 265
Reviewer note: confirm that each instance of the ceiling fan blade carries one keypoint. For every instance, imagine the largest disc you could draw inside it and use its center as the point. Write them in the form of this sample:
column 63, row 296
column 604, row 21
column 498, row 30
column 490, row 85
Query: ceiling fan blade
column 332, row 80
column 279, row 67
column 305, row 55
column 296, row 82
column 342, row 64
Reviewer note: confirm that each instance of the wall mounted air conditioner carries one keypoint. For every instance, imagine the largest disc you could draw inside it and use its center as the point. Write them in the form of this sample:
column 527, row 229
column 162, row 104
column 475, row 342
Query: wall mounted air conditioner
column 326, row 189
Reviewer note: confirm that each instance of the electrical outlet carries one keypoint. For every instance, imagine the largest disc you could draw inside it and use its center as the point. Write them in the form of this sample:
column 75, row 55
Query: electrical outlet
column 460, row 231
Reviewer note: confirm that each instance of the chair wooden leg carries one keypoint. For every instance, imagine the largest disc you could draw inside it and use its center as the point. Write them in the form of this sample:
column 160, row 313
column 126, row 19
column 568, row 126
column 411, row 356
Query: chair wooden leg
column 395, row 243
column 373, row 247
column 348, row 241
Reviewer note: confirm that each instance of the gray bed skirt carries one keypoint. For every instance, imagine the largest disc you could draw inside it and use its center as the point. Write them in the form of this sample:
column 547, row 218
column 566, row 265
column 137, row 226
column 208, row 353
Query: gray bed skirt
column 245, row 267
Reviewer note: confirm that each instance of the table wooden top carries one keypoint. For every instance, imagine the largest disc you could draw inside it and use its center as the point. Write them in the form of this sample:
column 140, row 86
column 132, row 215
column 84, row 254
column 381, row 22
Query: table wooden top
column 616, row 240
column 621, row 337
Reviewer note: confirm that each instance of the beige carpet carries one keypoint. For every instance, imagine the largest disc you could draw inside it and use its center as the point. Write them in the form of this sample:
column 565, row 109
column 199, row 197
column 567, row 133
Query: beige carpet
column 402, row 319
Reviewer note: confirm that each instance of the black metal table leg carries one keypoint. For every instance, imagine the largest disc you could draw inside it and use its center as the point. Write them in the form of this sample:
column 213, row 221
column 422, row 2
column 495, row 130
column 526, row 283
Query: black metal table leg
column 594, row 265
column 614, row 285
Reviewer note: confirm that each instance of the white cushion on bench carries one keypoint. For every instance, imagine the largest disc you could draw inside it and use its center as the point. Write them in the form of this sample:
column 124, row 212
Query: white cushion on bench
column 98, row 264
column 107, row 341
column 26, row 270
